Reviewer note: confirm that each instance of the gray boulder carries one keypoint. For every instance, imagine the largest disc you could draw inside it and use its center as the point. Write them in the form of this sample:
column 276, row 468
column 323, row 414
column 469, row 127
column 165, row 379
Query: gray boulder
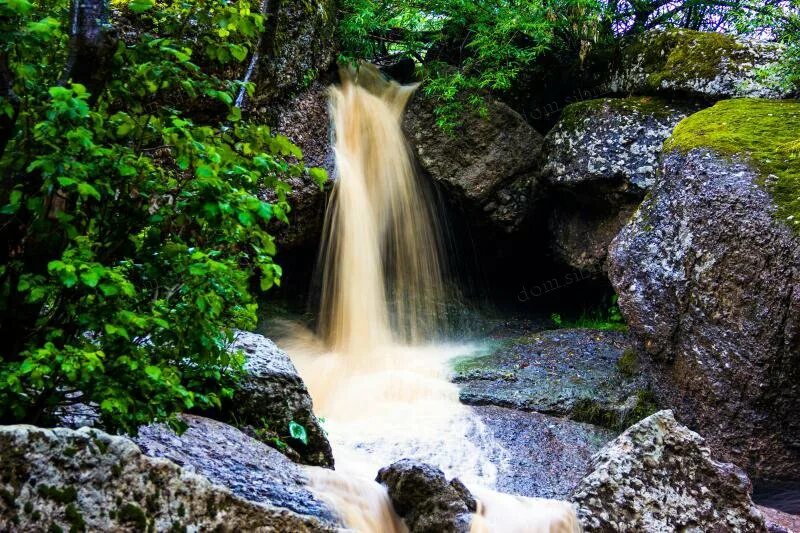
column 709, row 65
column 708, row 282
column 65, row 480
column 659, row 476
column 488, row 166
column 271, row 396
column 599, row 160
column 587, row 375
column 425, row 500
column 231, row 459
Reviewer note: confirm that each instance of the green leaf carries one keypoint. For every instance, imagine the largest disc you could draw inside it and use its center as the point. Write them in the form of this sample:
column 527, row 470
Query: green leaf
column 84, row 189
column 297, row 431
column 140, row 6
column 153, row 371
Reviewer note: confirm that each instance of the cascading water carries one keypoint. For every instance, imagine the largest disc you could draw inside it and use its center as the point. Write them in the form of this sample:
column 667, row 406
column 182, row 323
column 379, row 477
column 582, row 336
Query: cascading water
column 372, row 371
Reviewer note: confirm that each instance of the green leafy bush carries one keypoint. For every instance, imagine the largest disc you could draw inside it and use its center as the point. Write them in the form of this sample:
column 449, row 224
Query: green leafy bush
column 133, row 235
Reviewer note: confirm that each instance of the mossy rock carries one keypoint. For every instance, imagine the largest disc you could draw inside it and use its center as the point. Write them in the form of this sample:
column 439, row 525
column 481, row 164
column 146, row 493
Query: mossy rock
column 762, row 133
column 709, row 65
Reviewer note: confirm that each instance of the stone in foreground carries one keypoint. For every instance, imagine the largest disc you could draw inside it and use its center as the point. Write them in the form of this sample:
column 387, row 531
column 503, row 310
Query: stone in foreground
column 65, row 480
column 658, row 476
column 425, row 500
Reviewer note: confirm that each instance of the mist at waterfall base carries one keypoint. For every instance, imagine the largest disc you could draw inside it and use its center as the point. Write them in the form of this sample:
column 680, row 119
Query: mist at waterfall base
column 374, row 371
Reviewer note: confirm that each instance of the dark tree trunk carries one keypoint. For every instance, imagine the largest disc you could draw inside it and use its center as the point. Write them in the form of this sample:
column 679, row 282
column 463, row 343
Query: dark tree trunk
column 92, row 45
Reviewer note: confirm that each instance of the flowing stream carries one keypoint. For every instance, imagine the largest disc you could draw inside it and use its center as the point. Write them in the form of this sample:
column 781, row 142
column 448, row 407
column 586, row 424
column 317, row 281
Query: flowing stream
column 375, row 372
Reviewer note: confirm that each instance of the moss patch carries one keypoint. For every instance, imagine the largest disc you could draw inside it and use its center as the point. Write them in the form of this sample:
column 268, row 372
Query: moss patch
column 132, row 514
column 764, row 133
column 677, row 55
column 574, row 114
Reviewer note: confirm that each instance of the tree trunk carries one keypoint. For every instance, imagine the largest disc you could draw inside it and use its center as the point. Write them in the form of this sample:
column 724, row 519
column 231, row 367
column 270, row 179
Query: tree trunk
column 92, row 45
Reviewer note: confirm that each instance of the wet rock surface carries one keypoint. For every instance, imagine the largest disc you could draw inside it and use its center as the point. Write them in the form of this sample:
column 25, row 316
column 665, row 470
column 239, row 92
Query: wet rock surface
column 426, row 501
column 229, row 458
column 660, row 476
column 709, row 65
column 707, row 281
column 65, row 480
column 540, row 456
column 488, row 167
column 272, row 393
column 584, row 374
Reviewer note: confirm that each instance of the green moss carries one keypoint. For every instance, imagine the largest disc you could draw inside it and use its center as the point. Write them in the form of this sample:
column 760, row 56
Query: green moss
column 628, row 363
column 62, row 495
column 574, row 114
column 132, row 514
column 677, row 55
column 589, row 411
column 75, row 519
column 764, row 133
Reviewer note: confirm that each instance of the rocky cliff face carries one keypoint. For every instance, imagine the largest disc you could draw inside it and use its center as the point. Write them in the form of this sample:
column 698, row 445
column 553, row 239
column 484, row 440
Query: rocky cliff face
column 707, row 278
column 659, row 476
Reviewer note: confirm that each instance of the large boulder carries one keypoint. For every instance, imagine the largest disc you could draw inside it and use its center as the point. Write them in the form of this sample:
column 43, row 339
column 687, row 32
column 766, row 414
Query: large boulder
column 65, row 480
column 488, row 166
column 425, row 500
column 599, row 160
column 272, row 396
column 708, row 277
column 707, row 65
column 587, row 375
column 659, row 476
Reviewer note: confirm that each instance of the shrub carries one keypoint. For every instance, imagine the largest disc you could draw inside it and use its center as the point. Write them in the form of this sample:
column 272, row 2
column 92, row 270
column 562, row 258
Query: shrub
column 134, row 235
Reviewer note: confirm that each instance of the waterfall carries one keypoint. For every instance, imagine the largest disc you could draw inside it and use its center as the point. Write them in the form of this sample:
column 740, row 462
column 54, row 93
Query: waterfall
column 373, row 369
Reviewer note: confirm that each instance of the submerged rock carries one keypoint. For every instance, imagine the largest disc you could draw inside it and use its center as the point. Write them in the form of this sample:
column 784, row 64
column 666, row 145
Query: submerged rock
column 538, row 455
column 659, row 476
column 488, row 167
column 707, row 275
column 65, row 480
column 272, row 395
column 600, row 159
column 425, row 500
column 709, row 65
column 587, row 375
column 229, row 458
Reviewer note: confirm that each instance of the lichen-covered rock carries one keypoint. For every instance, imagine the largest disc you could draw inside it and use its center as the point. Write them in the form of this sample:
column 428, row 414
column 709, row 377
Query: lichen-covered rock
column 611, row 142
column 273, row 393
column 709, row 65
column 425, row 500
column 599, row 160
column 708, row 279
column 587, row 375
column 298, row 45
column 488, row 167
column 659, row 476
column 65, row 480
column 229, row 458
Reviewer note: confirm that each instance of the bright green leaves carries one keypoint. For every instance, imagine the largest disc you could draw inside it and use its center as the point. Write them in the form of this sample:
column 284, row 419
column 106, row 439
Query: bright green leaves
column 140, row 6
column 138, row 215
column 297, row 431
